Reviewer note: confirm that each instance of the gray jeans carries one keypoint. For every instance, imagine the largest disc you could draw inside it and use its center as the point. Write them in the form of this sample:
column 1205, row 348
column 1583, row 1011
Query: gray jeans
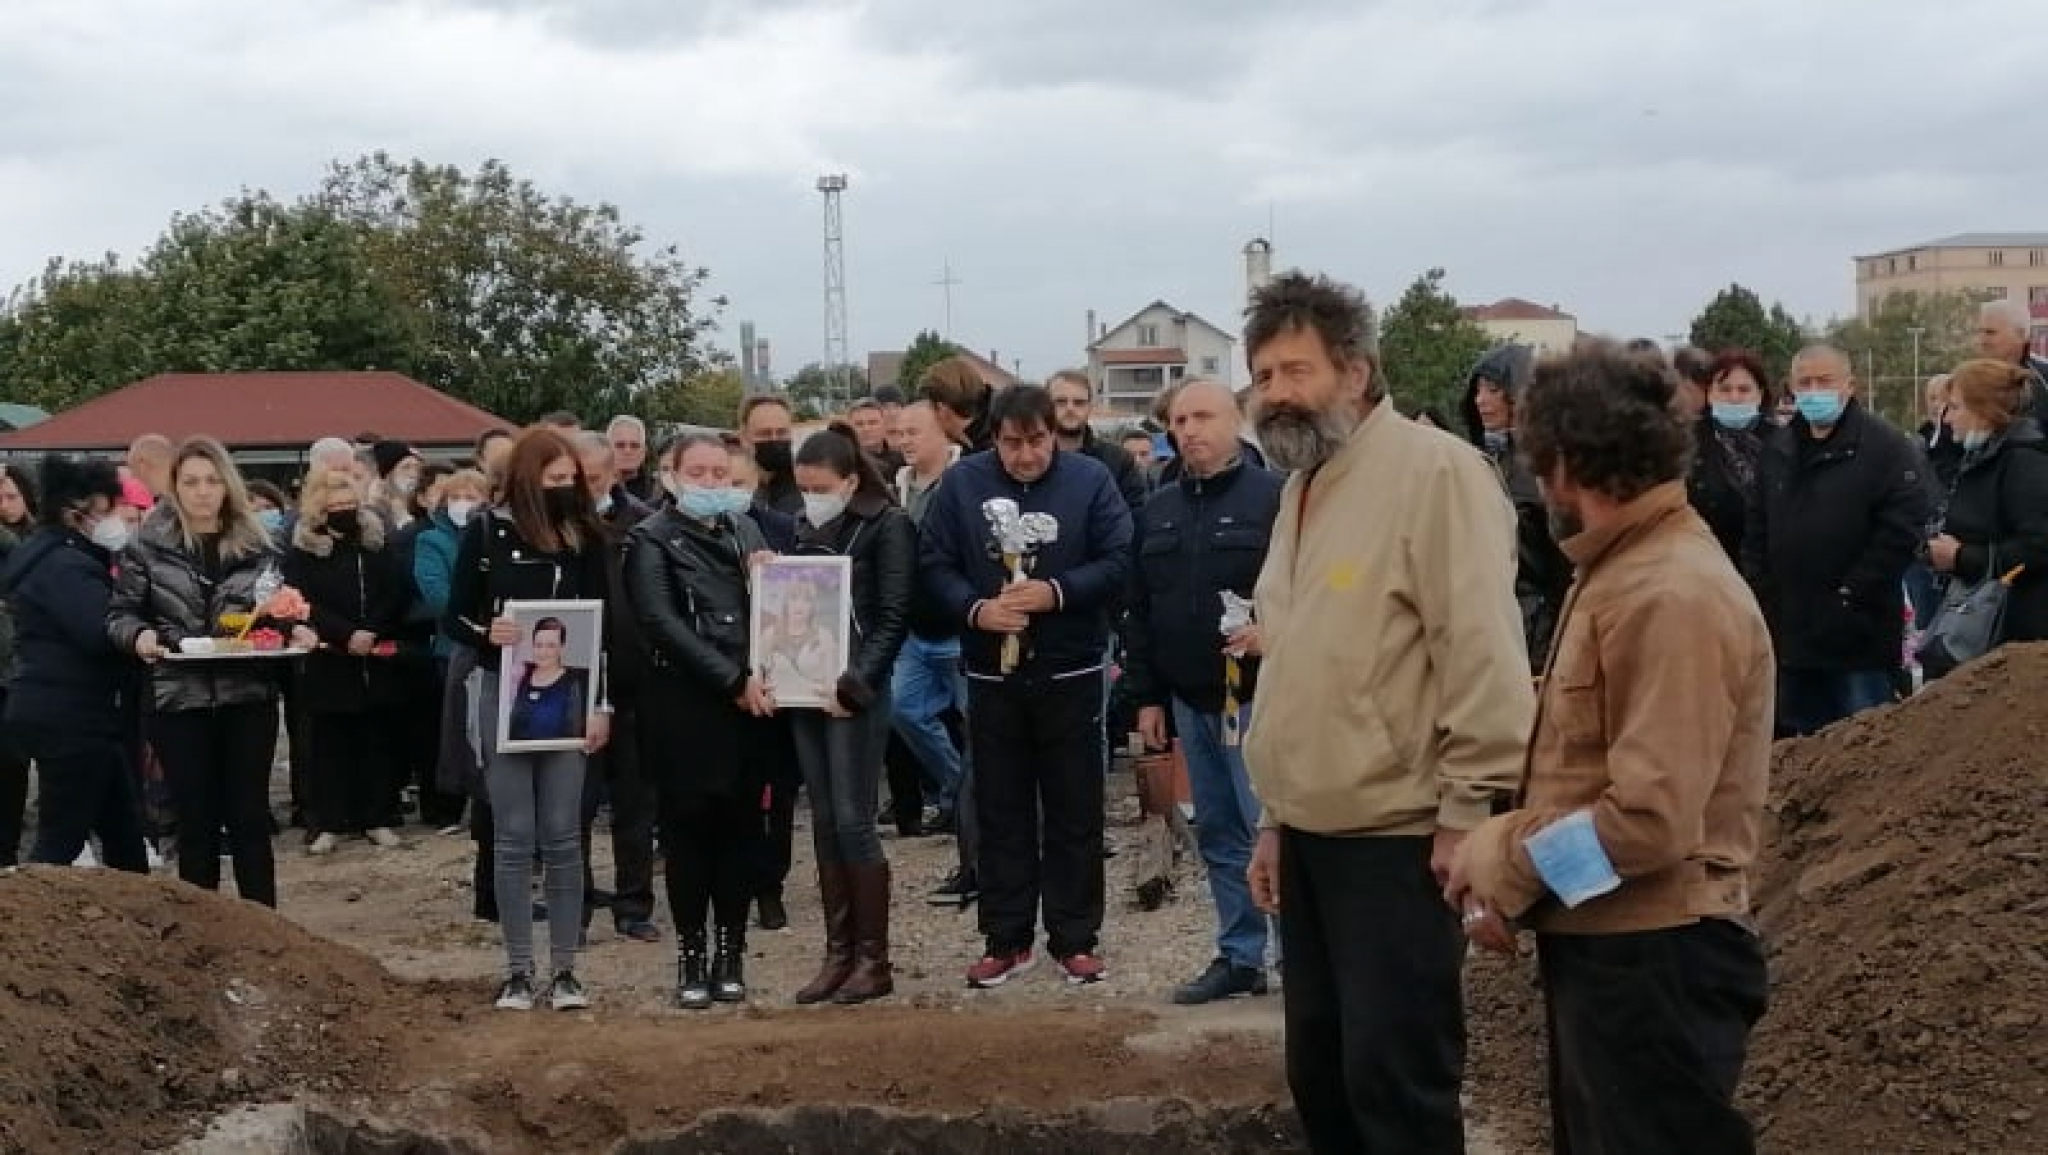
column 536, row 801
column 841, row 759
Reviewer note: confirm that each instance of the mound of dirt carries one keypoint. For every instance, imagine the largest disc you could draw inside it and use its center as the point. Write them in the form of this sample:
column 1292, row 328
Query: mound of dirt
column 1903, row 896
column 129, row 1005
column 1905, row 900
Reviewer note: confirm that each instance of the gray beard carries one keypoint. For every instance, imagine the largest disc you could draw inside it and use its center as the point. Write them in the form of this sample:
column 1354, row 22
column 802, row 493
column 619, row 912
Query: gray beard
column 1300, row 439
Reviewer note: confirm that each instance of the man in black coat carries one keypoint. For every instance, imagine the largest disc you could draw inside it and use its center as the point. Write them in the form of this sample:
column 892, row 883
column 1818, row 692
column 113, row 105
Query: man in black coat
column 1073, row 403
column 1195, row 540
column 618, row 768
column 1842, row 505
column 1542, row 575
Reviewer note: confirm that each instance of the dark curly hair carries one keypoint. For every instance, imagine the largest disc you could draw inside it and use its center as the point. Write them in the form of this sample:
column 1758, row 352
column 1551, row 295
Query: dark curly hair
column 1334, row 311
column 1605, row 412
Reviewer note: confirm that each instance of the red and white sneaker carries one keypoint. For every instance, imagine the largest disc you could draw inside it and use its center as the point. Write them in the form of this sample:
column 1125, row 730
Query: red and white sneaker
column 996, row 969
column 1084, row 968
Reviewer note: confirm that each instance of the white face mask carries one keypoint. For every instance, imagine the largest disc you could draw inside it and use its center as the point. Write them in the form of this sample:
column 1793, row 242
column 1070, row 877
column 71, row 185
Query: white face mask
column 111, row 533
column 821, row 508
column 459, row 511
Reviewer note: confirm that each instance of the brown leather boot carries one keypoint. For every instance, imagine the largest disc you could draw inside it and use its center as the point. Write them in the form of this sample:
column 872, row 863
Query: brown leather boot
column 872, row 977
column 837, row 899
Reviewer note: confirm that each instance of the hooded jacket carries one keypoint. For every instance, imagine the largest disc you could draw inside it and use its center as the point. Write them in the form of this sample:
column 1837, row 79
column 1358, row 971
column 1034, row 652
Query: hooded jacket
column 68, row 675
column 1542, row 575
column 161, row 586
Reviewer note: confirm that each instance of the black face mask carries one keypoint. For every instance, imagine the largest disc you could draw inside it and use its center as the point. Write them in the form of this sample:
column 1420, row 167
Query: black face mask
column 344, row 522
column 773, row 457
column 561, row 502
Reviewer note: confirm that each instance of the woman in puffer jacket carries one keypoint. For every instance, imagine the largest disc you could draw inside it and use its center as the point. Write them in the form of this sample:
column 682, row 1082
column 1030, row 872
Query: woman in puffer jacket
column 200, row 556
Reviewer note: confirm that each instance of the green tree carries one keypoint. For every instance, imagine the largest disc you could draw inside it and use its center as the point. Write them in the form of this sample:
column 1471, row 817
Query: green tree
column 525, row 302
column 1428, row 344
column 815, row 393
column 1736, row 319
column 1906, row 338
column 926, row 350
column 711, row 399
column 252, row 284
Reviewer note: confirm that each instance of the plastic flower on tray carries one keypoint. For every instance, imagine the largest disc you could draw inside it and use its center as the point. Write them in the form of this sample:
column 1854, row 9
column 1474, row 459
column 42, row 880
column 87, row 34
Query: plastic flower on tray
column 286, row 605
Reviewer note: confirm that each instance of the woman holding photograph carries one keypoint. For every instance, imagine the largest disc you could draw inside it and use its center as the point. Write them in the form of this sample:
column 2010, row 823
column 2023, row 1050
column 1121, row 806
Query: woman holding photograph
column 213, row 725
column 707, row 722
column 342, row 563
column 542, row 544
column 849, row 512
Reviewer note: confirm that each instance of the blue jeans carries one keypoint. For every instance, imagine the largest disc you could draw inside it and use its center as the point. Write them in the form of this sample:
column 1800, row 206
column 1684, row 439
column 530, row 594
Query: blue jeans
column 1924, row 589
column 536, row 803
column 926, row 682
column 1226, row 826
column 1812, row 700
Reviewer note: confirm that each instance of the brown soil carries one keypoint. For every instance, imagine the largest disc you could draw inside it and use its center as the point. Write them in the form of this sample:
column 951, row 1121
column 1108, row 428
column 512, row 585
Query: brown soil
column 1905, row 898
column 131, row 1004
column 1904, row 901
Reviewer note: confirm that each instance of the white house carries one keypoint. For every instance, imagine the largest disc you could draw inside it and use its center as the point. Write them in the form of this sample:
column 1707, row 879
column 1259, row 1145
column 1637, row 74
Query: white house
column 1157, row 346
column 1512, row 319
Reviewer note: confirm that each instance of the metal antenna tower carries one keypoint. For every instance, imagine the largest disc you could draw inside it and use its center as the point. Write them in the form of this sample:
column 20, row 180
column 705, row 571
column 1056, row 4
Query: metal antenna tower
column 832, row 185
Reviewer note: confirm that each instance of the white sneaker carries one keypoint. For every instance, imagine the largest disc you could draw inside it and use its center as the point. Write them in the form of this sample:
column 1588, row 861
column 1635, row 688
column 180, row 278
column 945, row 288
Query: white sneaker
column 155, row 857
column 86, row 857
column 323, row 845
column 383, row 836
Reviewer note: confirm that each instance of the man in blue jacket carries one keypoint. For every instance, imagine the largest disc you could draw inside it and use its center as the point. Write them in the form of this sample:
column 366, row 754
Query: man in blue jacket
column 1197, row 539
column 1034, row 723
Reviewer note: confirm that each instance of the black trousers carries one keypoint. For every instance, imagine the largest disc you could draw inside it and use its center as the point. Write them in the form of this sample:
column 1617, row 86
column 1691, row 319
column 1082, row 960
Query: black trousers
column 906, row 778
column 349, row 790
column 13, row 793
column 484, row 877
column 416, row 756
column 1648, row 1032
column 778, row 818
column 218, row 764
column 1375, row 1007
column 618, row 768
column 86, row 787
column 1037, row 747
column 713, row 848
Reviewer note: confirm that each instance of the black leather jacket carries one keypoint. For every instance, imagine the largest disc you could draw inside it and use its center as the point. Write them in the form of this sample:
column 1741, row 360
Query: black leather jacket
column 160, row 585
column 882, row 541
column 688, row 583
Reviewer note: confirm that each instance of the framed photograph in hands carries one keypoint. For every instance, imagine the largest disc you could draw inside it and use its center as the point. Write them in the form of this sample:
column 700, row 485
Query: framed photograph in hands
column 800, row 628
column 548, row 679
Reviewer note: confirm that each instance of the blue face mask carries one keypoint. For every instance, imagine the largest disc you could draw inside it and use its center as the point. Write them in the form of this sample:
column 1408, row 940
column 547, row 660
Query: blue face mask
column 1735, row 414
column 272, row 521
column 1820, row 408
column 712, row 501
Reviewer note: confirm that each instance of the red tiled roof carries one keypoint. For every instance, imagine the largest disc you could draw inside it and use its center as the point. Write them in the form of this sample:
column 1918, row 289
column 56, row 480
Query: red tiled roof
column 261, row 410
column 1144, row 357
column 1515, row 309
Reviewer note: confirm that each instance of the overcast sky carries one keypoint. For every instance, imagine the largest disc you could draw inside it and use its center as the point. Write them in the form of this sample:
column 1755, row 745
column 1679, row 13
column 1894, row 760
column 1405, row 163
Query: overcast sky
column 1619, row 159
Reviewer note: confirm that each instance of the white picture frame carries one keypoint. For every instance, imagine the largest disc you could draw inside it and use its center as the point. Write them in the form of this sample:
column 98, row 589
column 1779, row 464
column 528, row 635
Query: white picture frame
column 801, row 673
column 535, row 718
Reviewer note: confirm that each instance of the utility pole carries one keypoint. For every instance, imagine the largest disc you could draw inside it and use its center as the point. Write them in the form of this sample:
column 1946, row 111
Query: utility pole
column 833, row 185
column 946, row 282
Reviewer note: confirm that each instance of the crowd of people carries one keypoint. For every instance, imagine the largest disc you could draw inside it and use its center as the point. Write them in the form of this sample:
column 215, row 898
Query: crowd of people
column 1343, row 616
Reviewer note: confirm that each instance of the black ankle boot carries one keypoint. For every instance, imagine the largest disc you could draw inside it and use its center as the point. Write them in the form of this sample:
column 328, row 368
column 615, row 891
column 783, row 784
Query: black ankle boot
column 728, row 978
column 693, row 980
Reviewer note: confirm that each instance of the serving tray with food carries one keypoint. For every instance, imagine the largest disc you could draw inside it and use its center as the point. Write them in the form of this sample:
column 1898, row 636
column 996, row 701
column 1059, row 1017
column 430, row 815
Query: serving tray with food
column 240, row 637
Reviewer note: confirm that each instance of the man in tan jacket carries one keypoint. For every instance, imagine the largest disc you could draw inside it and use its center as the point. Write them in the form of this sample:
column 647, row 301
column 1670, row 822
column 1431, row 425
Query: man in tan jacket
column 1639, row 818
column 1393, row 707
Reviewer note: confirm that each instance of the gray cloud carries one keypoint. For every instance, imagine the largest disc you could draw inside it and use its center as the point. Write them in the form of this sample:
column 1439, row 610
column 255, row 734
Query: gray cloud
column 1618, row 159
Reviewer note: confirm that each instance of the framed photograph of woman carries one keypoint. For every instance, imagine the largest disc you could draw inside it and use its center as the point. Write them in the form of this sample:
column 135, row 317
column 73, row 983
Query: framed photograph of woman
column 548, row 680
column 801, row 627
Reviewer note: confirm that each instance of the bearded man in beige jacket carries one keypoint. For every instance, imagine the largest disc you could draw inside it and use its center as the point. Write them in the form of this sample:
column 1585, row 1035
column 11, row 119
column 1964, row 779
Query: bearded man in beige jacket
column 1393, row 708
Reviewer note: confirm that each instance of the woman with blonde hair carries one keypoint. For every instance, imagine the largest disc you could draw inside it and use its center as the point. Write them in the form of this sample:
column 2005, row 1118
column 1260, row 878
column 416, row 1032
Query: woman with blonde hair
column 1995, row 520
column 341, row 560
column 201, row 556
